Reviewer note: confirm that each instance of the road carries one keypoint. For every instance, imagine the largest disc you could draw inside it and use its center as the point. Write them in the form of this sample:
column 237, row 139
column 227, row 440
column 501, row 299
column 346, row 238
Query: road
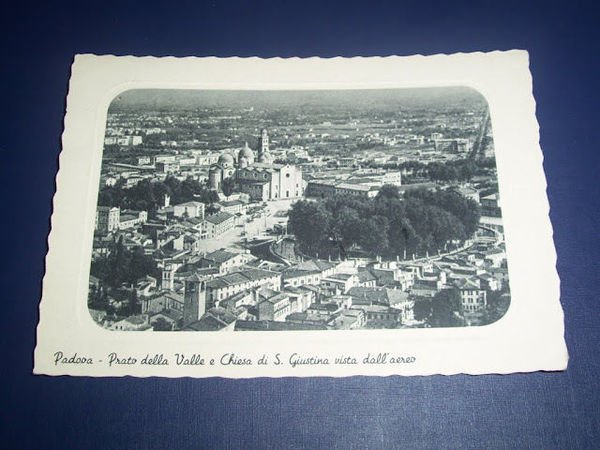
column 256, row 228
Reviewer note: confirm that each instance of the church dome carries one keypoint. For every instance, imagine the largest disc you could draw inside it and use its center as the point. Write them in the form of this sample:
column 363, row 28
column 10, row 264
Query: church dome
column 265, row 158
column 226, row 160
column 246, row 153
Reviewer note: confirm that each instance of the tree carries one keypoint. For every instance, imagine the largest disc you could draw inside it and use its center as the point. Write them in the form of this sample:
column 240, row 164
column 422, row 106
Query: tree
column 388, row 191
column 387, row 225
column 228, row 186
column 349, row 224
column 444, row 306
column 123, row 266
column 97, row 298
column 211, row 209
column 498, row 303
column 132, row 307
column 149, row 195
column 374, row 234
column 161, row 324
column 310, row 223
column 422, row 309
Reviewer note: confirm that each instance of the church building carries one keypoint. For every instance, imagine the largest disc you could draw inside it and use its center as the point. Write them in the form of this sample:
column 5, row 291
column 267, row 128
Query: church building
column 261, row 179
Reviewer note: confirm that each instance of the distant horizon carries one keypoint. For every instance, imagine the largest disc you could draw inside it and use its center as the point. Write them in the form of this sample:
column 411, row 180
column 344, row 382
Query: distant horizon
column 385, row 98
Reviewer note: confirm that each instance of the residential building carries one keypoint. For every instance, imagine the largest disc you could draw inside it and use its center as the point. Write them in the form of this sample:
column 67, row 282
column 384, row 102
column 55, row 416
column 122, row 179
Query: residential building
column 379, row 316
column 164, row 300
column 227, row 285
column 107, row 219
column 225, row 261
column 472, row 296
column 215, row 319
column 490, row 205
column 275, row 307
column 190, row 209
column 132, row 323
column 232, row 206
column 217, row 224
column 308, row 272
column 339, row 283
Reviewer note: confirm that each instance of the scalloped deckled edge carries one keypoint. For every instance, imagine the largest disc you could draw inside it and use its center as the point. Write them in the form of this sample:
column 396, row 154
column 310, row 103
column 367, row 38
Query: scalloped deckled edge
column 48, row 333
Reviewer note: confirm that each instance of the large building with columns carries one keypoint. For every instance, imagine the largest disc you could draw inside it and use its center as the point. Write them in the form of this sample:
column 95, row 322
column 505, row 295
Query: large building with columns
column 260, row 178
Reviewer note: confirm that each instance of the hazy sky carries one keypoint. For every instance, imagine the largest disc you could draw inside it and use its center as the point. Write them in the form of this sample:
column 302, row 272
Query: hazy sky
column 385, row 98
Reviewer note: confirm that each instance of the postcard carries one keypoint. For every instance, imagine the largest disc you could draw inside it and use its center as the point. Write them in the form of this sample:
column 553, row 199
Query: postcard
column 247, row 217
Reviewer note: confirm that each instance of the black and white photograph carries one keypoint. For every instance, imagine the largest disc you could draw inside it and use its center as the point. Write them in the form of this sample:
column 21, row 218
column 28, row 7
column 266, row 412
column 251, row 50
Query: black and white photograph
column 267, row 217
column 283, row 210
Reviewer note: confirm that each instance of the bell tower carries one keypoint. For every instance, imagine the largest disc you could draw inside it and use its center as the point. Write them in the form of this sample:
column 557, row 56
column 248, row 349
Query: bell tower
column 263, row 148
column 263, row 142
column 194, row 299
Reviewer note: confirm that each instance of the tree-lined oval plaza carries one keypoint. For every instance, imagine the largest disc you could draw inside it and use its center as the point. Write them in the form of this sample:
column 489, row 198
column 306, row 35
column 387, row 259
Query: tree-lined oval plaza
column 298, row 210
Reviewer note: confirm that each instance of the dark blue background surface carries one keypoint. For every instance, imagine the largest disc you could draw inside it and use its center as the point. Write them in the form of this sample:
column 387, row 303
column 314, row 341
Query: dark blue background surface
column 557, row 410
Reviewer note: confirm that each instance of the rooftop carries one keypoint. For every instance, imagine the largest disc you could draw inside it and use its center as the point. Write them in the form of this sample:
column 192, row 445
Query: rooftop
column 231, row 203
column 242, row 276
column 220, row 256
column 466, row 284
column 219, row 217
column 270, row 325
column 191, row 203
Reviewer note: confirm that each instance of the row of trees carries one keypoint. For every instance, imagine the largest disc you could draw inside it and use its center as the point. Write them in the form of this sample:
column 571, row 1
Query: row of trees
column 98, row 299
column 117, row 273
column 149, row 195
column 387, row 225
column 457, row 170
column 444, row 310
column 123, row 266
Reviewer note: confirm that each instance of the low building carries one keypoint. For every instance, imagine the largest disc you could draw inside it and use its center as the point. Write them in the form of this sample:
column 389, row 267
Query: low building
column 107, row 219
column 321, row 188
column 426, row 287
column 490, row 205
column 130, row 219
column 167, row 167
column 217, row 224
column 495, row 257
column 379, row 316
column 469, row 192
column 227, row 285
column 274, row 307
column 356, row 190
column 309, row 272
column 350, row 319
column 163, row 301
column 472, row 296
column 390, row 273
column 224, row 260
column 215, row 319
column 393, row 298
column 324, row 310
column 300, row 297
column 133, row 323
column 339, row 283
column 171, row 318
column 232, row 206
column 295, row 277
column 366, row 279
column 489, row 282
column 189, row 209
column 331, row 188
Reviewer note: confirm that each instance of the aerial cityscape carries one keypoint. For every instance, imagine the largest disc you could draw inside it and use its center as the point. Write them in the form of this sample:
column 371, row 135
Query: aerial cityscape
column 298, row 210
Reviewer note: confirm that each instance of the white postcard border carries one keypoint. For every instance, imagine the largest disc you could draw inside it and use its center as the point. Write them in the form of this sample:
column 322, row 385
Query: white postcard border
column 529, row 337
